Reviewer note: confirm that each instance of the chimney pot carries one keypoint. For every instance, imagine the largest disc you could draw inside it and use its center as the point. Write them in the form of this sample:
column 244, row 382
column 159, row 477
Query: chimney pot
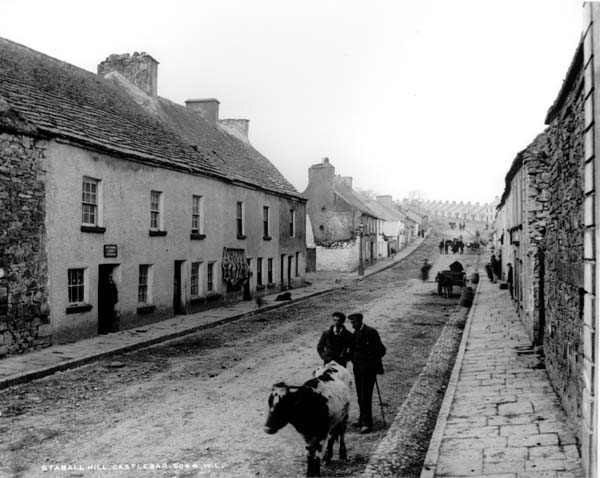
column 208, row 108
column 139, row 69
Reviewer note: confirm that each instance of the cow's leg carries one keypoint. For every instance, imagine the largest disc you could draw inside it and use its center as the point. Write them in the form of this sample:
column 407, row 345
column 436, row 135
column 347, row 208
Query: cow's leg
column 343, row 452
column 314, row 449
column 329, row 451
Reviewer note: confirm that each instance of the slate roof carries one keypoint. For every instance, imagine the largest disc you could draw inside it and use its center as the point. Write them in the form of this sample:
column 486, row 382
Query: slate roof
column 351, row 197
column 62, row 100
column 384, row 212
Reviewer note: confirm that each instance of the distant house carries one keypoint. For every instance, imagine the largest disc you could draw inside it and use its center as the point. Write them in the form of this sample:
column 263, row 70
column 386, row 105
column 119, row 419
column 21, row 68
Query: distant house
column 337, row 214
column 394, row 224
column 99, row 177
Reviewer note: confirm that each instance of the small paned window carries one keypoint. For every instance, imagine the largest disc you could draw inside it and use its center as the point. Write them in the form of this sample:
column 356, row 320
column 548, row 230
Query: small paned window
column 89, row 202
column 143, row 283
column 195, row 279
column 197, row 210
column 259, row 271
column 266, row 221
column 155, row 209
column 76, row 286
column 292, row 222
column 270, row 270
column 239, row 217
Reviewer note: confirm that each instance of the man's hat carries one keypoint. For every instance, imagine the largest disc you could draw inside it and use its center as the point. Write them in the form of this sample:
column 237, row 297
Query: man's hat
column 357, row 315
column 340, row 315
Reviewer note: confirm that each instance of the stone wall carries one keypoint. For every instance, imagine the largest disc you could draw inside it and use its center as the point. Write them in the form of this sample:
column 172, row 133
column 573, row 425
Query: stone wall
column 343, row 258
column 535, row 218
column 24, row 313
column 563, row 287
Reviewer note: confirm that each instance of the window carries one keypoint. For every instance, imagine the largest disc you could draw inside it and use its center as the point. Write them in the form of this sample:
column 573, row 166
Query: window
column 76, row 286
column 144, row 295
column 197, row 214
column 270, row 270
column 210, row 277
column 195, row 279
column 259, row 267
column 297, row 268
column 155, row 210
column 89, row 202
column 239, row 217
column 266, row 228
column 292, row 222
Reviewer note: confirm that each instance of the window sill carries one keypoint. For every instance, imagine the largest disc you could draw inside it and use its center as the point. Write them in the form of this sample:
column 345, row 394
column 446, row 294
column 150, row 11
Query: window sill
column 260, row 287
column 194, row 236
column 267, row 238
column 212, row 296
column 197, row 300
column 154, row 232
column 241, row 236
column 93, row 229
column 145, row 309
column 76, row 309
column 271, row 285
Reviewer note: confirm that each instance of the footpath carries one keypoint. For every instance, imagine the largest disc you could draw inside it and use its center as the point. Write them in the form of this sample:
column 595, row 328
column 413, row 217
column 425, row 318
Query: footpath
column 500, row 416
column 30, row 366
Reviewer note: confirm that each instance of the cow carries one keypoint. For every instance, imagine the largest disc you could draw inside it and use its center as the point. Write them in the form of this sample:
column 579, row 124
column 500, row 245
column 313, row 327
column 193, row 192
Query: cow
column 318, row 410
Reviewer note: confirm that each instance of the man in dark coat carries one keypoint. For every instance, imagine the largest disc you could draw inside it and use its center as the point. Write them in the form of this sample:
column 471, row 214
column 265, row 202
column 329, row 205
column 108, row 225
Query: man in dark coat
column 495, row 267
column 336, row 342
column 367, row 352
column 509, row 279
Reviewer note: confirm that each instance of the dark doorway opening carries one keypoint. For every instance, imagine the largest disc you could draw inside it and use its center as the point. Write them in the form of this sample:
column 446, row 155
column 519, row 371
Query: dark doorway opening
column 542, row 299
column 178, row 290
column 107, row 298
column 282, row 269
column 247, row 292
column 289, row 271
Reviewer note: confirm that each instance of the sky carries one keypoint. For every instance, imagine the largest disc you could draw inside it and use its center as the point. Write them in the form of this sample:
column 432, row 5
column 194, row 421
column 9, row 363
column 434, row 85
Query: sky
column 435, row 97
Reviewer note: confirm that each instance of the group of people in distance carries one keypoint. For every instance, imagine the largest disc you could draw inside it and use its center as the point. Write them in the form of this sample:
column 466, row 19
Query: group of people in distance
column 364, row 349
column 456, row 245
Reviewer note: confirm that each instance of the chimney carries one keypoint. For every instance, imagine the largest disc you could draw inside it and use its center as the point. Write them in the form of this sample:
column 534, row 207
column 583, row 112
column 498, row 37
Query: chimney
column 323, row 172
column 139, row 69
column 240, row 125
column 386, row 200
column 208, row 108
column 346, row 181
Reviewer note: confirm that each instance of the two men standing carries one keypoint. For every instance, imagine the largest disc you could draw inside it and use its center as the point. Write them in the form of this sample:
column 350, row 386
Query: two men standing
column 365, row 349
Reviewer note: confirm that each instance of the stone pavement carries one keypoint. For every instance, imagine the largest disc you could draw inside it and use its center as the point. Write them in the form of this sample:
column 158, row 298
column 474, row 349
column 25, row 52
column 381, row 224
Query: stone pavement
column 23, row 368
column 500, row 416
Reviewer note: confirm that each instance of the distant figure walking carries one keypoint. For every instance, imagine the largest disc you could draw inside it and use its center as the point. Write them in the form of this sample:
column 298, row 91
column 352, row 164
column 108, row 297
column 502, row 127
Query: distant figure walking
column 425, row 271
column 442, row 246
column 495, row 268
column 447, row 245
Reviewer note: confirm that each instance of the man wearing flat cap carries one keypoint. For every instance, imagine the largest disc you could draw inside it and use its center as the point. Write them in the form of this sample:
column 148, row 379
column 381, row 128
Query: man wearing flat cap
column 367, row 352
column 336, row 341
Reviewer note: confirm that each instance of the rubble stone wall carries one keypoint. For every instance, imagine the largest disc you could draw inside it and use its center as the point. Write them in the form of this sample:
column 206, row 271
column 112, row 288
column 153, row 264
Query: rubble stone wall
column 563, row 344
column 342, row 258
column 24, row 312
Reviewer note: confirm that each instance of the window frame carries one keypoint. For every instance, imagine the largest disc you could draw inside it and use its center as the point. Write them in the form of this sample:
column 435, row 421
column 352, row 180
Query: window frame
column 195, row 276
column 240, row 223
column 266, row 222
column 269, row 270
column 148, row 285
column 210, row 277
column 159, row 211
column 97, row 206
column 85, row 289
column 259, row 271
column 197, row 214
column 292, row 222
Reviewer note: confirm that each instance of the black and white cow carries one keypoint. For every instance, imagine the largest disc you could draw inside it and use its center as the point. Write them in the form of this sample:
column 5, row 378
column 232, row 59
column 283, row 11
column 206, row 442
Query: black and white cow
column 318, row 410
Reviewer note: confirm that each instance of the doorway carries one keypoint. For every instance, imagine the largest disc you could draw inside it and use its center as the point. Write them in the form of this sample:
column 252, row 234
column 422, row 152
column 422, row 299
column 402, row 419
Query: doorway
column 247, row 288
column 282, row 272
column 178, row 289
column 108, row 296
column 289, row 271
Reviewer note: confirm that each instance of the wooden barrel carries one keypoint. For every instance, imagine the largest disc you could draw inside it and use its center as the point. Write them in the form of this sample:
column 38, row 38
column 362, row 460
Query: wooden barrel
column 466, row 297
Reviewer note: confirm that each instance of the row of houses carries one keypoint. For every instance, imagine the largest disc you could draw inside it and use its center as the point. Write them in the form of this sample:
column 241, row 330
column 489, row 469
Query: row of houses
column 344, row 221
column 104, row 182
column 547, row 229
column 460, row 211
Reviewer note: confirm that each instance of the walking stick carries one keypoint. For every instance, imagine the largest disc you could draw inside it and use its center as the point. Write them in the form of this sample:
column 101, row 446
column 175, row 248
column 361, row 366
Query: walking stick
column 380, row 401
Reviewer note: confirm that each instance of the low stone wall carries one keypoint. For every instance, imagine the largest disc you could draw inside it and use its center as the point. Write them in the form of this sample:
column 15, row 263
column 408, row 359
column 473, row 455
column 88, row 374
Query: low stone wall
column 342, row 259
column 23, row 265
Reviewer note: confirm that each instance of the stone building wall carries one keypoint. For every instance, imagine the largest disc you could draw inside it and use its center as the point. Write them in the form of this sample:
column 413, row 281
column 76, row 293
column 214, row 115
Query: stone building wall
column 343, row 258
column 563, row 346
column 24, row 313
column 535, row 218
